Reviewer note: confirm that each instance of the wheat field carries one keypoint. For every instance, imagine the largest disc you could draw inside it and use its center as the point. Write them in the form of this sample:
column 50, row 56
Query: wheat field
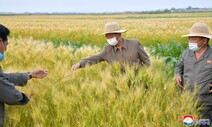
column 98, row 95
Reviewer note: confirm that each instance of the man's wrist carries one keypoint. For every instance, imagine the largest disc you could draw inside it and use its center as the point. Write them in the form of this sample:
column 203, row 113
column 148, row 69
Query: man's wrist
column 29, row 75
column 178, row 75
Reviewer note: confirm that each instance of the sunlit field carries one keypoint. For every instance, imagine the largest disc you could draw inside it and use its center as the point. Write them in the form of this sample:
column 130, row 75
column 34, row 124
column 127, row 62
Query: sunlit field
column 98, row 95
column 148, row 28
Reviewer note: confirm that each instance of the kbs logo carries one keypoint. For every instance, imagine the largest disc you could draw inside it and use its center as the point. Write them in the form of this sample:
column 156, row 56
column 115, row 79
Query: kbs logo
column 190, row 120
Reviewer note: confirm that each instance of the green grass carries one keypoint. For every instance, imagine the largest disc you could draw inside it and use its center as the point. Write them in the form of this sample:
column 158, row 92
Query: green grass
column 170, row 53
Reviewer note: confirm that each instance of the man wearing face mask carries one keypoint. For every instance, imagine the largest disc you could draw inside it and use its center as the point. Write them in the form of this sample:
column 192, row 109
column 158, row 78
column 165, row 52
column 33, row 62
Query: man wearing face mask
column 8, row 93
column 195, row 68
column 118, row 50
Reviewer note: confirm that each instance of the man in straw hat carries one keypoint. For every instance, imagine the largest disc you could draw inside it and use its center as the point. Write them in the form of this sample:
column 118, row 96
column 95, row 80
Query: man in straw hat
column 117, row 50
column 195, row 68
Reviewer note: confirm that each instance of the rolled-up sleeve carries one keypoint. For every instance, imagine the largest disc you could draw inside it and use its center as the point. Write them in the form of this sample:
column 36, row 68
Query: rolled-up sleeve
column 143, row 55
column 19, row 79
column 10, row 95
column 93, row 59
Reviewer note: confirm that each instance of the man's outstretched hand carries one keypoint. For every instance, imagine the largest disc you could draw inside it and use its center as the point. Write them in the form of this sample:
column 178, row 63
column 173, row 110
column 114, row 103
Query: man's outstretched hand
column 75, row 66
column 39, row 73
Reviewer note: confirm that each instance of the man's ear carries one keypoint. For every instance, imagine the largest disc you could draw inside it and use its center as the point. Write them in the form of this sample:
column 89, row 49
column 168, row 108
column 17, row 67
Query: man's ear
column 2, row 48
column 207, row 40
column 119, row 35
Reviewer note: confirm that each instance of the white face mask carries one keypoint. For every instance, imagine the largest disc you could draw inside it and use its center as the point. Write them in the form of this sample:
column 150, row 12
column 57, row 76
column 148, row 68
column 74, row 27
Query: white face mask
column 193, row 46
column 112, row 41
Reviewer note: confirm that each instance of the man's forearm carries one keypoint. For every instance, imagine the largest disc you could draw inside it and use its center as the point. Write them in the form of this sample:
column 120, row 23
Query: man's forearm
column 19, row 79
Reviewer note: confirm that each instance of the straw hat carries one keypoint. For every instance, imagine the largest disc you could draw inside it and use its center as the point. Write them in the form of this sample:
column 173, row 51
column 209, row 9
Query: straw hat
column 199, row 30
column 112, row 27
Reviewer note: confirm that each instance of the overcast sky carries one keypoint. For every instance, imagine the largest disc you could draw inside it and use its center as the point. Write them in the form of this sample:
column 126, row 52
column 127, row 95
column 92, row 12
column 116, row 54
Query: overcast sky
column 97, row 6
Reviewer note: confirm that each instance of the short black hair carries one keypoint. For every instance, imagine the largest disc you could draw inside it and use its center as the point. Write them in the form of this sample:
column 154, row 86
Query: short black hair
column 4, row 32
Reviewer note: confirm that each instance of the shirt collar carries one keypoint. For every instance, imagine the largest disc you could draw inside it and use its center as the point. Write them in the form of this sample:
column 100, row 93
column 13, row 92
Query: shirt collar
column 1, row 70
column 124, row 45
column 208, row 51
column 205, row 54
